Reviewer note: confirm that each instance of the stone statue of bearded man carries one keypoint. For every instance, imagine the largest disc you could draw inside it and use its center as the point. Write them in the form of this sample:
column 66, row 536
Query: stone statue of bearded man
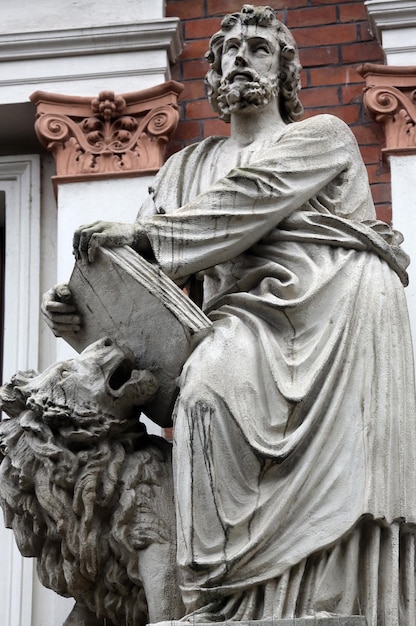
column 294, row 452
column 226, row 95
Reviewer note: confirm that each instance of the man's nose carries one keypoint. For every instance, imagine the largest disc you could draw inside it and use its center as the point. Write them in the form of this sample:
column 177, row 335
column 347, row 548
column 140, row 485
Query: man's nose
column 240, row 60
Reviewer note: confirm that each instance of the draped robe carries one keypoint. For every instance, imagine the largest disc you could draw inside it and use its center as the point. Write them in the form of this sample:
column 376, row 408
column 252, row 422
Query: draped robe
column 295, row 422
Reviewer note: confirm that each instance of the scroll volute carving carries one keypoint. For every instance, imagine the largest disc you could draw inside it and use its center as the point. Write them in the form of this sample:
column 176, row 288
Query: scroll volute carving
column 110, row 135
column 390, row 98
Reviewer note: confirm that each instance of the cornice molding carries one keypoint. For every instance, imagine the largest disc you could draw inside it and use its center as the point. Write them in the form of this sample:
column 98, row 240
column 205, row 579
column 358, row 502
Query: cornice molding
column 390, row 14
column 141, row 36
column 87, row 76
column 390, row 99
column 107, row 136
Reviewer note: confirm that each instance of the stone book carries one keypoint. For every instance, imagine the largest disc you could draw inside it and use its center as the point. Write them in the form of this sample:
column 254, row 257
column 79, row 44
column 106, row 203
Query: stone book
column 123, row 296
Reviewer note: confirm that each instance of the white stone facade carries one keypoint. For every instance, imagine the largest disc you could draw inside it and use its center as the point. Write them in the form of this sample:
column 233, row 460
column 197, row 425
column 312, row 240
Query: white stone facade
column 87, row 47
column 79, row 48
column 393, row 22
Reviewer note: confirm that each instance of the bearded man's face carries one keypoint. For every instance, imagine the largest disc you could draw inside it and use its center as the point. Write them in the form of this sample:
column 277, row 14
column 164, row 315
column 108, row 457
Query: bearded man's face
column 250, row 66
column 237, row 95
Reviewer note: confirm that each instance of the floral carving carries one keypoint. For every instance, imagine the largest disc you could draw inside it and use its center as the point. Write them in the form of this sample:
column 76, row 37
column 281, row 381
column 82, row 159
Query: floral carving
column 396, row 112
column 108, row 105
column 109, row 135
column 390, row 98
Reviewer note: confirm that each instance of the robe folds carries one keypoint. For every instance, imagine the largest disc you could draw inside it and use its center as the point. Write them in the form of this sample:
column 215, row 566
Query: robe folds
column 295, row 434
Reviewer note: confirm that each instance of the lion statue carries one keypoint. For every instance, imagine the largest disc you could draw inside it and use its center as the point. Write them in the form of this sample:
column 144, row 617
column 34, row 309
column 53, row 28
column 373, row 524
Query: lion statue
column 87, row 491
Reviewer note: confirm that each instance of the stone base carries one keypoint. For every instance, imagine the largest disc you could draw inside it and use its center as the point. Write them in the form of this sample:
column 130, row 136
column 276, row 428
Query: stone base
column 354, row 620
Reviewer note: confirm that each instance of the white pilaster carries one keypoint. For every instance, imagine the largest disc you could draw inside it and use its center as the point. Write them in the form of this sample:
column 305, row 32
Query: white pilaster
column 403, row 169
column 74, row 48
column 393, row 22
column 20, row 181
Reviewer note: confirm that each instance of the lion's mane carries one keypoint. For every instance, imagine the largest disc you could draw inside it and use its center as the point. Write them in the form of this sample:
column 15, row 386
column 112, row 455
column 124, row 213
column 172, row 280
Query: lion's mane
column 83, row 505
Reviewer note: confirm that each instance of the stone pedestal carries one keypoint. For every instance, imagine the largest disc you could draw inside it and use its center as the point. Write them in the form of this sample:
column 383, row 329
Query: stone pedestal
column 355, row 620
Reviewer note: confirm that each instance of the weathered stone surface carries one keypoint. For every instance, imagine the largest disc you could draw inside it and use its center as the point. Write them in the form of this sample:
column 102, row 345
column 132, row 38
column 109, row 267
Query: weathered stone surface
column 127, row 298
column 295, row 621
column 85, row 489
column 295, row 445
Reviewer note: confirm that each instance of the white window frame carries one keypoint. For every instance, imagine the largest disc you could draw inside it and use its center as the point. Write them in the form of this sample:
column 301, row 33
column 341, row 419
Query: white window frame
column 20, row 180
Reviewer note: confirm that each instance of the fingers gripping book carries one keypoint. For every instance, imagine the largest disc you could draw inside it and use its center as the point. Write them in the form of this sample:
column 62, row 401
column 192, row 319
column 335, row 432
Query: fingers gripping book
column 123, row 296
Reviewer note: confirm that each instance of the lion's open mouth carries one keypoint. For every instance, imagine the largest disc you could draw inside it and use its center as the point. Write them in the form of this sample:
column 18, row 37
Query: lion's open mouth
column 122, row 366
column 121, row 375
column 127, row 381
column 123, row 381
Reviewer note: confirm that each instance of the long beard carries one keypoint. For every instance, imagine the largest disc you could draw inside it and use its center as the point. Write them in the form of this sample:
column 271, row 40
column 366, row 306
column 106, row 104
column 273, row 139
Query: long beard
column 239, row 95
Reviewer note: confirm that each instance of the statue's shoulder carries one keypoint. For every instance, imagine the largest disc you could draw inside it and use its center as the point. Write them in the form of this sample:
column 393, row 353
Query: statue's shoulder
column 201, row 147
column 325, row 126
column 183, row 160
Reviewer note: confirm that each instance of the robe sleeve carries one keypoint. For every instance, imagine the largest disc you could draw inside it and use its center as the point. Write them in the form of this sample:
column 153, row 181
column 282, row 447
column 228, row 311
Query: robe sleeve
column 242, row 207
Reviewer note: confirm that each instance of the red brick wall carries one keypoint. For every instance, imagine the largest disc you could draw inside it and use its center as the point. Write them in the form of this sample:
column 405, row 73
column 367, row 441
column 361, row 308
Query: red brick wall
column 333, row 39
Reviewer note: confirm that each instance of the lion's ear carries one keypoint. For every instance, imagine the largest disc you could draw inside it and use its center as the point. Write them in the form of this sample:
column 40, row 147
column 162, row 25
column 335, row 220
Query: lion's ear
column 12, row 398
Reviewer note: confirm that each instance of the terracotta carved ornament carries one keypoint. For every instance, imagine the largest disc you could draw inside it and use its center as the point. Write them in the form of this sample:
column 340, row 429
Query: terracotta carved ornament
column 390, row 99
column 107, row 136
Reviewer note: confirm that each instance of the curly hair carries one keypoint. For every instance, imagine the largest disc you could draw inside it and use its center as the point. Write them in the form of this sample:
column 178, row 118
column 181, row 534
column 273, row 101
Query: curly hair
column 290, row 106
column 84, row 508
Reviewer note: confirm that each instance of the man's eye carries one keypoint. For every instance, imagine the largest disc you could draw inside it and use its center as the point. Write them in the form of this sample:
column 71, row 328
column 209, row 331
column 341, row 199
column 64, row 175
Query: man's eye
column 264, row 49
column 232, row 47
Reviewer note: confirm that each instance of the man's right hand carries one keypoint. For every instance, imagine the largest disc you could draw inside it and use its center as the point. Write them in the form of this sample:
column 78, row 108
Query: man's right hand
column 58, row 311
column 89, row 237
